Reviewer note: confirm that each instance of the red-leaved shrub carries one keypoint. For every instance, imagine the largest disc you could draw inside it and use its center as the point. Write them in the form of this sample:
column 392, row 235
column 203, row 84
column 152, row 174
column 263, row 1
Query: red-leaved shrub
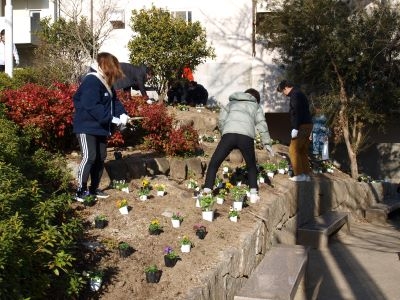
column 158, row 128
column 48, row 113
column 182, row 141
column 47, row 109
column 157, row 124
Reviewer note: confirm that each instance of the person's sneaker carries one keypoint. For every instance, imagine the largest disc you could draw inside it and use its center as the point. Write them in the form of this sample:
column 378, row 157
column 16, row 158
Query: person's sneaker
column 207, row 191
column 307, row 177
column 298, row 178
column 100, row 194
column 254, row 198
column 81, row 195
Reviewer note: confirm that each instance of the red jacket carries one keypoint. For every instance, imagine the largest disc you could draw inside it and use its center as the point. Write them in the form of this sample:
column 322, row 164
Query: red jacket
column 187, row 74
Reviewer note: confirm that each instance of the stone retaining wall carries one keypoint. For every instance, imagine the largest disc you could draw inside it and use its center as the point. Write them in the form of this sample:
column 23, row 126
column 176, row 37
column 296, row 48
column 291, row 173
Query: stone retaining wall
column 292, row 205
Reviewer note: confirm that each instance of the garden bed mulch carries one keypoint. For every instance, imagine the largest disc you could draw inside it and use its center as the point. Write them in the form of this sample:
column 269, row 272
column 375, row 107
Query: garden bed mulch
column 124, row 277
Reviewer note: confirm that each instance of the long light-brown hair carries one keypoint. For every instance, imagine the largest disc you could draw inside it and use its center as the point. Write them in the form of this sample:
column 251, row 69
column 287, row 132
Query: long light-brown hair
column 110, row 66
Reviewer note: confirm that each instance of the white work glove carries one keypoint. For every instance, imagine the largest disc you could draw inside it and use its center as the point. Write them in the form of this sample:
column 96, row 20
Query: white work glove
column 294, row 133
column 270, row 150
column 116, row 121
column 124, row 118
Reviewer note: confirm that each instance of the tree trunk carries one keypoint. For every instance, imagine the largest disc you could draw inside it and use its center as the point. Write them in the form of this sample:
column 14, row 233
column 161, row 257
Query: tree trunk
column 344, row 121
column 346, row 135
column 162, row 90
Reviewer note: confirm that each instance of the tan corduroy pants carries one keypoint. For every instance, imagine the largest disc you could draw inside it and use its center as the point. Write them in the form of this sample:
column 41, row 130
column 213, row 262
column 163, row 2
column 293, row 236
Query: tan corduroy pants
column 298, row 150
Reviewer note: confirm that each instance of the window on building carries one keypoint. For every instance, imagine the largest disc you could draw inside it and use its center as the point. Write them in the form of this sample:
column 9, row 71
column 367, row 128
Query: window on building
column 184, row 15
column 117, row 19
column 35, row 26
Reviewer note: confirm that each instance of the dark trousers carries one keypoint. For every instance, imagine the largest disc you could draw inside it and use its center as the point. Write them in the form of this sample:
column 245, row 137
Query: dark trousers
column 2, row 68
column 94, row 153
column 229, row 142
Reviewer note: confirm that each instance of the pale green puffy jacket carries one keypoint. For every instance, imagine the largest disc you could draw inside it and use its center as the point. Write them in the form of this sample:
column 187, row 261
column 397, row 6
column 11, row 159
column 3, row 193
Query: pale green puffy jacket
column 243, row 115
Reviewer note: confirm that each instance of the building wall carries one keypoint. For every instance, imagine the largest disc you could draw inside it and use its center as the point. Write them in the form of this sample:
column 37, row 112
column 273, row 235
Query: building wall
column 22, row 12
column 228, row 26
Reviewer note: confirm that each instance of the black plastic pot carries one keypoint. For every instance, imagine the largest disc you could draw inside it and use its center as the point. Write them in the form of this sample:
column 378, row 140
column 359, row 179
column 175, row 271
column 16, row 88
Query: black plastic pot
column 201, row 234
column 155, row 232
column 153, row 277
column 100, row 223
column 89, row 202
column 170, row 262
column 125, row 251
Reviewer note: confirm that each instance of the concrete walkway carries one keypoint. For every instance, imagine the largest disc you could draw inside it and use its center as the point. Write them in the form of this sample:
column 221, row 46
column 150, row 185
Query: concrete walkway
column 364, row 265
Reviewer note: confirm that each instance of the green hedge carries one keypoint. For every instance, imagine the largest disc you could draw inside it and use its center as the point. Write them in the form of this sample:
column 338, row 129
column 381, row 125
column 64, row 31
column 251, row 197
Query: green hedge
column 36, row 222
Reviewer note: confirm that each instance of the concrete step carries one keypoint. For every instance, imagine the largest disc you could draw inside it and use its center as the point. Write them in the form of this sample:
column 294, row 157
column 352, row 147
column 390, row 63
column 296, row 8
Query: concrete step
column 316, row 233
column 278, row 275
column 379, row 212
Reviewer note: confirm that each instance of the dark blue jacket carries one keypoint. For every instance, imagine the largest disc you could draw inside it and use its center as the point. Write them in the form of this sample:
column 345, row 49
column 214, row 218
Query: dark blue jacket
column 299, row 109
column 95, row 107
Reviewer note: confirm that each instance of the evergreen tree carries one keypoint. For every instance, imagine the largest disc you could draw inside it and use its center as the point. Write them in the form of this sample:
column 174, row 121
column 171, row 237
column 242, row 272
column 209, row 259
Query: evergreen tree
column 166, row 44
column 347, row 56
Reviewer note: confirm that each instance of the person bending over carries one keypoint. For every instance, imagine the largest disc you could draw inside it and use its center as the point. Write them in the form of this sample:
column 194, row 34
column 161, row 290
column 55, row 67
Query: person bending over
column 238, row 122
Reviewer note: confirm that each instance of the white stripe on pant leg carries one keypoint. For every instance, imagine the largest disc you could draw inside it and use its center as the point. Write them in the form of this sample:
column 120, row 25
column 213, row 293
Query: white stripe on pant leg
column 85, row 157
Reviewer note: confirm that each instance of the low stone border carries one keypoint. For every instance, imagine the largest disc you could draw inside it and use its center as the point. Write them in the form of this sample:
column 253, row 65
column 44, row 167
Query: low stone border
column 292, row 204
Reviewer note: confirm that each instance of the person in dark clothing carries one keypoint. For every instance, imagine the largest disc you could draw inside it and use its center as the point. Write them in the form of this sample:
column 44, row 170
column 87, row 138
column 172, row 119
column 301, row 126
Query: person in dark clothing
column 96, row 108
column 301, row 122
column 178, row 86
column 135, row 78
column 197, row 94
column 175, row 92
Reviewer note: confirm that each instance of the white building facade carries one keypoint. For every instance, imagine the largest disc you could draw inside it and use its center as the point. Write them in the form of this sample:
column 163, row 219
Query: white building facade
column 240, row 62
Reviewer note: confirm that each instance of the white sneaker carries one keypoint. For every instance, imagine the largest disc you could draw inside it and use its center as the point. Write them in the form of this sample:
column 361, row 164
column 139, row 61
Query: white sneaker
column 207, row 191
column 254, row 198
column 298, row 178
column 307, row 177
